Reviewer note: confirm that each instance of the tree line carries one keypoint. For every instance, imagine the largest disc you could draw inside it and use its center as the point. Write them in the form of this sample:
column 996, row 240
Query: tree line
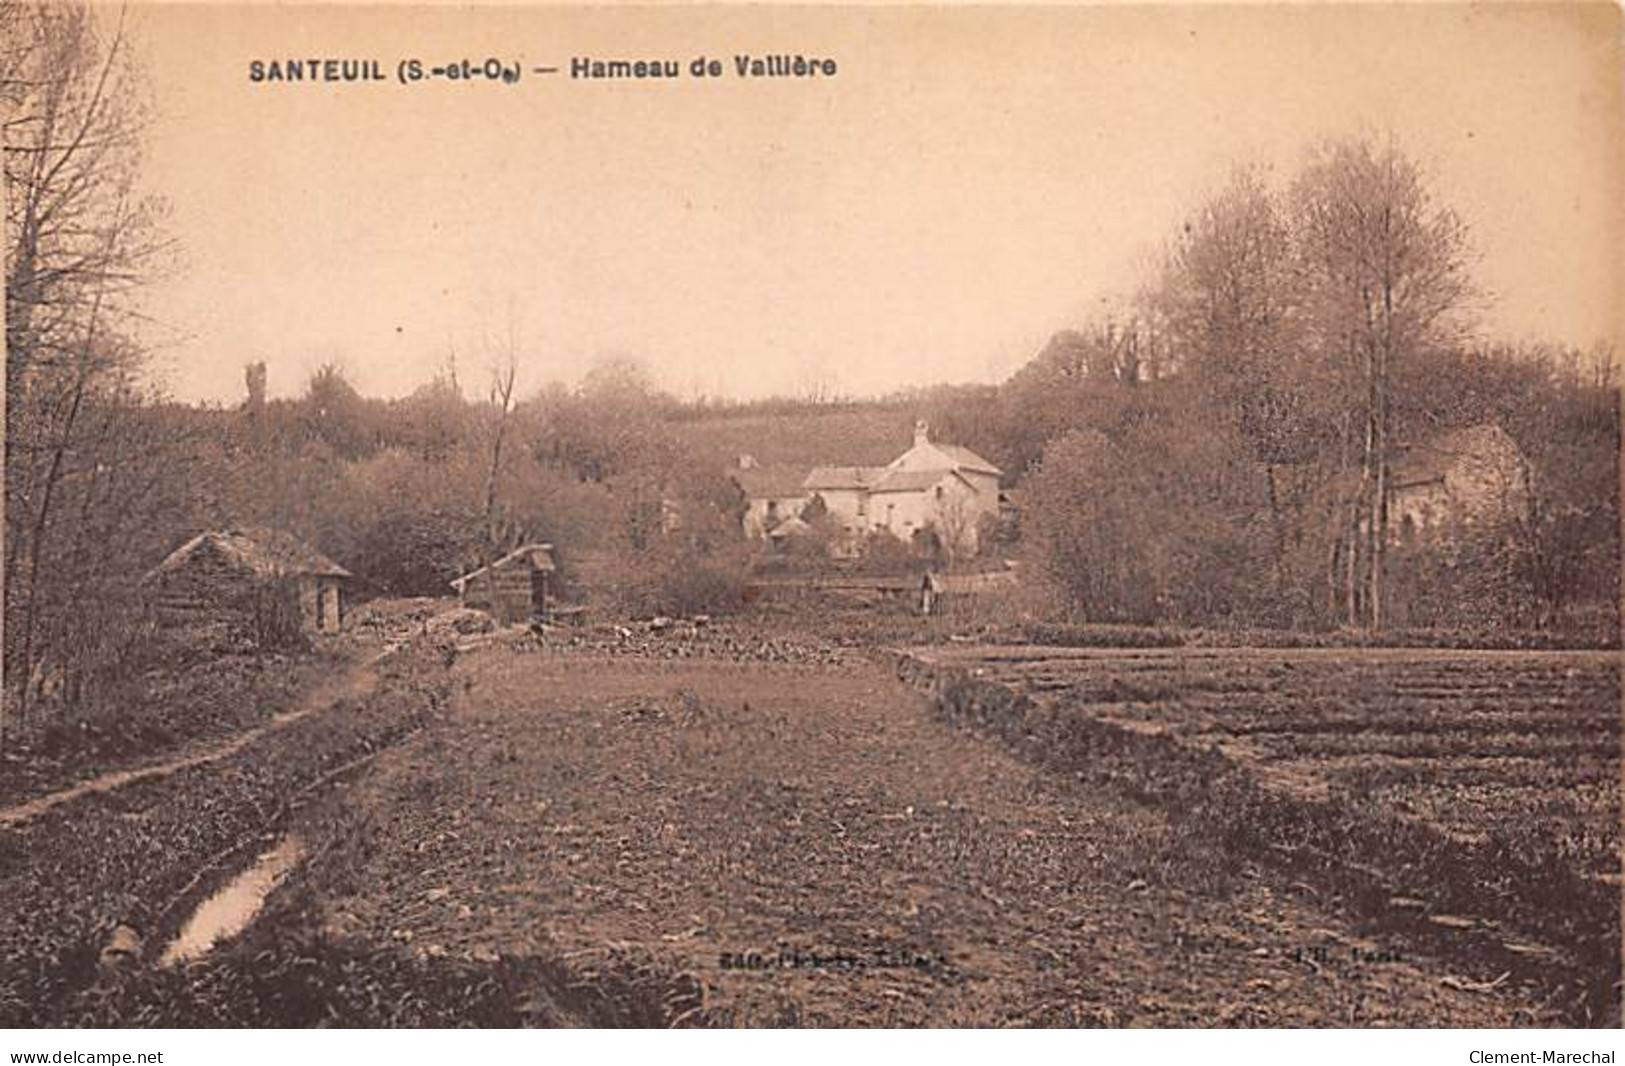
column 1222, row 450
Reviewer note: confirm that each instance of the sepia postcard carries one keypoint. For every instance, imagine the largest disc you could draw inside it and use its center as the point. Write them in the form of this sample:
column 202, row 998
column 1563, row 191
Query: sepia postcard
column 862, row 517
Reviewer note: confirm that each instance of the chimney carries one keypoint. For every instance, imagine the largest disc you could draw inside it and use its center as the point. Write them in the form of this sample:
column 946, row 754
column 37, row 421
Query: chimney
column 922, row 432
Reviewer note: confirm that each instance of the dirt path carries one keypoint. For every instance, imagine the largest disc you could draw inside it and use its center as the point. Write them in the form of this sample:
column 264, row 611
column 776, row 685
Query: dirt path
column 354, row 680
column 865, row 864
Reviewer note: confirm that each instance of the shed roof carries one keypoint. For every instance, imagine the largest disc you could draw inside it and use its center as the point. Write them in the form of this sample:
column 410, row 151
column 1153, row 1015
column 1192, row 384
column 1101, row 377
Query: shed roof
column 257, row 550
column 532, row 556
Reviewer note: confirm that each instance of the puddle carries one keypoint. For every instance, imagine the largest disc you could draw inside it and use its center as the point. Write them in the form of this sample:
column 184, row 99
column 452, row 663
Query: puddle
column 229, row 910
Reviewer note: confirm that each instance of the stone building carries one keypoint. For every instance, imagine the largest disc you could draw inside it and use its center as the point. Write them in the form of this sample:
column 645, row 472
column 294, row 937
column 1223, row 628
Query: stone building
column 224, row 575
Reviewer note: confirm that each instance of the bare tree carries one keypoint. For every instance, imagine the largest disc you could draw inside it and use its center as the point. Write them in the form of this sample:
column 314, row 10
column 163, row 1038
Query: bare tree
column 77, row 237
column 1386, row 280
column 504, row 373
column 1228, row 299
column 1230, row 289
column 955, row 522
column 78, row 242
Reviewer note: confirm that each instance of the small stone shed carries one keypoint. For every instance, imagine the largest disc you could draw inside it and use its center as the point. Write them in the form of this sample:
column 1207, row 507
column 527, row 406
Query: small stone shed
column 514, row 588
column 220, row 571
column 1473, row 475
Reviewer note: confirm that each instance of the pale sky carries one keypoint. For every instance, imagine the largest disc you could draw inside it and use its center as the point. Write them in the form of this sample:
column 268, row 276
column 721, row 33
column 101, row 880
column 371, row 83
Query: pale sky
column 969, row 182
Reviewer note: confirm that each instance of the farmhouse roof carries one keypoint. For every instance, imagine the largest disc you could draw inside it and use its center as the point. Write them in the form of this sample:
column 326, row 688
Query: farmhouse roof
column 794, row 526
column 912, row 480
column 967, row 459
column 256, row 550
column 928, row 454
column 534, row 556
column 771, row 482
column 843, row 477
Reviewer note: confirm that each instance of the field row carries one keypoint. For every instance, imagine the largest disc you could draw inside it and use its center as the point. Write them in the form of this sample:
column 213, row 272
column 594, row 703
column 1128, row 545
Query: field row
column 1481, row 784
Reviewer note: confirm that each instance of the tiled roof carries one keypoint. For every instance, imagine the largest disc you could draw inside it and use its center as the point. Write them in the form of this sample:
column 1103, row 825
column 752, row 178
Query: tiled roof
column 967, row 459
column 257, row 550
column 793, row 526
column 771, row 482
column 843, row 477
column 910, row 480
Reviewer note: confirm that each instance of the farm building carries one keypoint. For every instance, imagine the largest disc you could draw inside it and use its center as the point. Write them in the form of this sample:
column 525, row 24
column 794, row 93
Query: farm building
column 221, row 573
column 773, row 495
column 1477, row 474
column 514, row 588
column 938, row 487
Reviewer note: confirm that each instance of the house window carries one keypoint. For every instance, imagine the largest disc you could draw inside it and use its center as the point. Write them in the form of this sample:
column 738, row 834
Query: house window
column 863, row 505
column 939, row 493
column 772, row 510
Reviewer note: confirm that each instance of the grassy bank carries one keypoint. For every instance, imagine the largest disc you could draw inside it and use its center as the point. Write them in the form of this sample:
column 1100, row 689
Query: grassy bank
column 165, row 711
column 133, row 857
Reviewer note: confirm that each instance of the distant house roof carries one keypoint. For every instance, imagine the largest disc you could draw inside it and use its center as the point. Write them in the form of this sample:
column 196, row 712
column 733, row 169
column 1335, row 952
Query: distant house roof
column 912, row 480
column 843, row 477
column 1428, row 463
column 967, row 459
column 255, row 550
column 927, row 454
column 771, row 482
column 533, row 556
column 793, row 526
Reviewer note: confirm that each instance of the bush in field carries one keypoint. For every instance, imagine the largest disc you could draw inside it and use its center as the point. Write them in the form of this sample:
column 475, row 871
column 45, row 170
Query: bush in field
column 413, row 554
column 403, row 523
column 884, row 553
column 1161, row 525
column 679, row 546
column 702, row 585
column 1078, row 538
column 814, row 550
column 681, row 577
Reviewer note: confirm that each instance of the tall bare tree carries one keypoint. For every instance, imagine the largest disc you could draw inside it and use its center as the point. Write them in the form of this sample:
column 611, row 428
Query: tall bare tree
column 504, row 374
column 1386, row 281
column 79, row 240
column 1229, row 298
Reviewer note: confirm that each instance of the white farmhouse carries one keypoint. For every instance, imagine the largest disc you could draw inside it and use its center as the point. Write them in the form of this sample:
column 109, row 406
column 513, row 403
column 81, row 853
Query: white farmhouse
column 943, row 488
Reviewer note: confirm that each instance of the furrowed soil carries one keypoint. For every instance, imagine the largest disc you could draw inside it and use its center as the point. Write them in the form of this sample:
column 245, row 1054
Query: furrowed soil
column 715, row 839
column 1466, row 801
